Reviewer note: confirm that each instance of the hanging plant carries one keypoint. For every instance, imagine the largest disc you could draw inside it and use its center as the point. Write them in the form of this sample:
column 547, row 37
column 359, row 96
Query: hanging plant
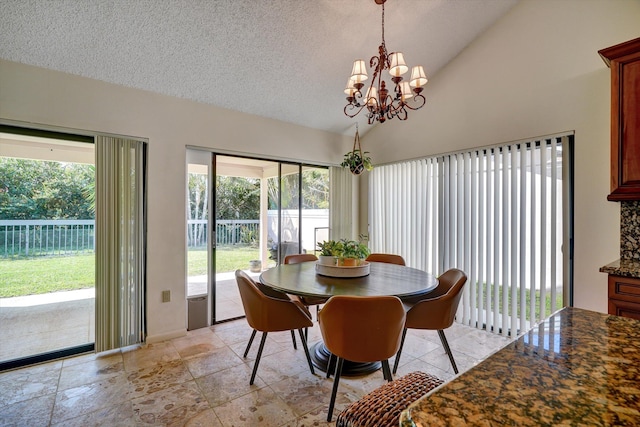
column 357, row 160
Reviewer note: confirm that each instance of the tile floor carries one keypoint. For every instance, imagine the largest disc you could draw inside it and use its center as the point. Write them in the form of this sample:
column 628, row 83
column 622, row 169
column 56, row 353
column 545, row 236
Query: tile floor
column 203, row 380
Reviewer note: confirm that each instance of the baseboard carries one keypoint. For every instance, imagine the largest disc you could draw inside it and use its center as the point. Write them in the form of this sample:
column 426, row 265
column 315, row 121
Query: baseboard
column 166, row 336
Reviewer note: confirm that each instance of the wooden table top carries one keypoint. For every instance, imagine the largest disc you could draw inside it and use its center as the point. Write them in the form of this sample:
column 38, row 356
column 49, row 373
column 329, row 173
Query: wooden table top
column 383, row 279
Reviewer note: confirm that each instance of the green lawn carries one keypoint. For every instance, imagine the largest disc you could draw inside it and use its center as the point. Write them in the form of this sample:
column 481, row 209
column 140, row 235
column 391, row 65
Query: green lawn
column 559, row 300
column 41, row 275
column 228, row 258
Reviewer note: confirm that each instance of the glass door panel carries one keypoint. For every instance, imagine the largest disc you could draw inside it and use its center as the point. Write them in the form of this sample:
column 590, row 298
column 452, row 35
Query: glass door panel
column 47, row 258
column 289, row 213
column 315, row 208
column 240, row 211
column 198, row 232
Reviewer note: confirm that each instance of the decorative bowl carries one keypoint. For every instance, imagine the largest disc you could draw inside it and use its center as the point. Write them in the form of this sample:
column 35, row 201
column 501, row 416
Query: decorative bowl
column 343, row 271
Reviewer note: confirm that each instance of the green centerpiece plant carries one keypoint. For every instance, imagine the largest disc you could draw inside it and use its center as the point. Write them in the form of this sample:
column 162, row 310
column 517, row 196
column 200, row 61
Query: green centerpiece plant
column 353, row 253
column 330, row 251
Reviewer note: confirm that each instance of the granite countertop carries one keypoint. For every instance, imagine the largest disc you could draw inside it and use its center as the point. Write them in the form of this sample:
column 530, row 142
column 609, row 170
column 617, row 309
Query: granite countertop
column 576, row 368
column 623, row 267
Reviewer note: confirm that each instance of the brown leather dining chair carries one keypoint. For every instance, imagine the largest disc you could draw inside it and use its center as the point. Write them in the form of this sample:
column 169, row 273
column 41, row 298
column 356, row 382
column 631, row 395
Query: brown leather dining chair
column 271, row 313
column 361, row 329
column 388, row 258
column 296, row 259
column 437, row 311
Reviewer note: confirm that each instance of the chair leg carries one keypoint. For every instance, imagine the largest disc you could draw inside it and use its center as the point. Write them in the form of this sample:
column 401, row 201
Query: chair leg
column 397, row 362
column 386, row 371
column 445, row 344
column 331, row 364
column 336, row 380
column 293, row 338
column 255, row 365
column 306, row 350
column 253, row 335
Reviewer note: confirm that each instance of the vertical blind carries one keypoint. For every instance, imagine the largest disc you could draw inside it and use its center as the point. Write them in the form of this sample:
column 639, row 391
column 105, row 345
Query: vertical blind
column 498, row 213
column 120, row 242
column 343, row 194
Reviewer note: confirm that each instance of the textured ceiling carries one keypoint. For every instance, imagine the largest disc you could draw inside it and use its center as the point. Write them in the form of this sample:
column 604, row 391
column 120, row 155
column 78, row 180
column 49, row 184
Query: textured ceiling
column 283, row 59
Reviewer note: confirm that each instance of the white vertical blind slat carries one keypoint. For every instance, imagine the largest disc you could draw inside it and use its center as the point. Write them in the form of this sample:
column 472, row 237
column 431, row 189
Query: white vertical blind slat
column 506, row 247
column 543, row 228
column 516, row 260
column 553, row 164
column 523, row 235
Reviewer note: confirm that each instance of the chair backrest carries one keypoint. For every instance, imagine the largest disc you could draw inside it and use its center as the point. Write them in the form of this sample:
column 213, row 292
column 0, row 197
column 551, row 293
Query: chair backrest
column 266, row 313
column 388, row 258
column 298, row 258
column 362, row 329
column 438, row 309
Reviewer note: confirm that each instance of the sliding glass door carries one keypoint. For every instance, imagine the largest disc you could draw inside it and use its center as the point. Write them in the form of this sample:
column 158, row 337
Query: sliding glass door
column 263, row 210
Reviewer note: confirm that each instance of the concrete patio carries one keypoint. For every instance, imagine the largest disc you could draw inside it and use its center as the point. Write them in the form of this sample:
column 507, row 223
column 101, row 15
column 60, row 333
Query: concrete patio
column 35, row 324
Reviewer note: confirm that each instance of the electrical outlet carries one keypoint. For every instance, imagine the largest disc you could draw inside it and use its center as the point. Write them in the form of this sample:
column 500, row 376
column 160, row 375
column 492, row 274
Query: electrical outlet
column 166, row 296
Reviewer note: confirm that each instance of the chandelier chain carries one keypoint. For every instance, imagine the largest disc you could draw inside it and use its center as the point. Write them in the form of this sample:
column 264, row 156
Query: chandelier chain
column 383, row 43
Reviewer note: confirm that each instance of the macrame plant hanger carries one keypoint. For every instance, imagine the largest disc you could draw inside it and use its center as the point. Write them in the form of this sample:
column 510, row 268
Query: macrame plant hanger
column 359, row 168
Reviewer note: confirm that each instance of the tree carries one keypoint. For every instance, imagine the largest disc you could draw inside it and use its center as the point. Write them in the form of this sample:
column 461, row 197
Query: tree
column 34, row 189
column 315, row 190
column 237, row 198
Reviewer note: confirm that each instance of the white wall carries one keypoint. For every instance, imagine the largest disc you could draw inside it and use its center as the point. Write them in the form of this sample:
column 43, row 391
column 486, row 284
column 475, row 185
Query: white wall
column 536, row 72
column 31, row 94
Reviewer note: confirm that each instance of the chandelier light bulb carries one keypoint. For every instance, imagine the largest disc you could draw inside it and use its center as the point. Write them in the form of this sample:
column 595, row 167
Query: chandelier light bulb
column 359, row 71
column 406, row 91
column 418, row 77
column 350, row 90
column 397, row 65
column 372, row 96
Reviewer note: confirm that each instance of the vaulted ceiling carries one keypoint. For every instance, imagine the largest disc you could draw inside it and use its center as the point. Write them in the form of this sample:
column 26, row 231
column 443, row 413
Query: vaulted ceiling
column 283, row 59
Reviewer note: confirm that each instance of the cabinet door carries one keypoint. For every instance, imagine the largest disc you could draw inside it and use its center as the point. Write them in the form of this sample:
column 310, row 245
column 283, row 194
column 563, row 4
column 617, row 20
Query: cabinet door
column 624, row 296
column 624, row 60
column 624, row 309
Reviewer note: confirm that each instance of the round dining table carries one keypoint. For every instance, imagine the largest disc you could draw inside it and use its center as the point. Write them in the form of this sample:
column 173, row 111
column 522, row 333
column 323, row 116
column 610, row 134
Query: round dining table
column 303, row 280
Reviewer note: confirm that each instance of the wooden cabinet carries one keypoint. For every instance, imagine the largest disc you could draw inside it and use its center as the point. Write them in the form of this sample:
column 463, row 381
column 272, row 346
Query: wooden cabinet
column 624, row 61
column 624, row 296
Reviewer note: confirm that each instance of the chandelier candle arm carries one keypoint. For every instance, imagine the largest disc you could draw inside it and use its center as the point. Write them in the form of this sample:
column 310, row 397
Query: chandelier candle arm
column 381, row 103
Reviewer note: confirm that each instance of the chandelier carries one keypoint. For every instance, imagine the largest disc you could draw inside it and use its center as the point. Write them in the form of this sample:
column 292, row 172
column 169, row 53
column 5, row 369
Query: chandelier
column 380, row 103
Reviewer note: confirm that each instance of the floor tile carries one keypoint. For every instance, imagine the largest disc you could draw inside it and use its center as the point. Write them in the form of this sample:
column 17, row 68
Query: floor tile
column 77, row 401
column 158, row 377
column 262, row 407
column 149, row 355
column 177, row 405
column 27, row 383
column 226, row 385
column 32, row 412
column 90, row 371
column 118, row 415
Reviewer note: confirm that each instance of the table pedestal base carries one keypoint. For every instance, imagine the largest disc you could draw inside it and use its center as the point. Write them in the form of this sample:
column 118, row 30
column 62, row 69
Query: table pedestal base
column 320, row 358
